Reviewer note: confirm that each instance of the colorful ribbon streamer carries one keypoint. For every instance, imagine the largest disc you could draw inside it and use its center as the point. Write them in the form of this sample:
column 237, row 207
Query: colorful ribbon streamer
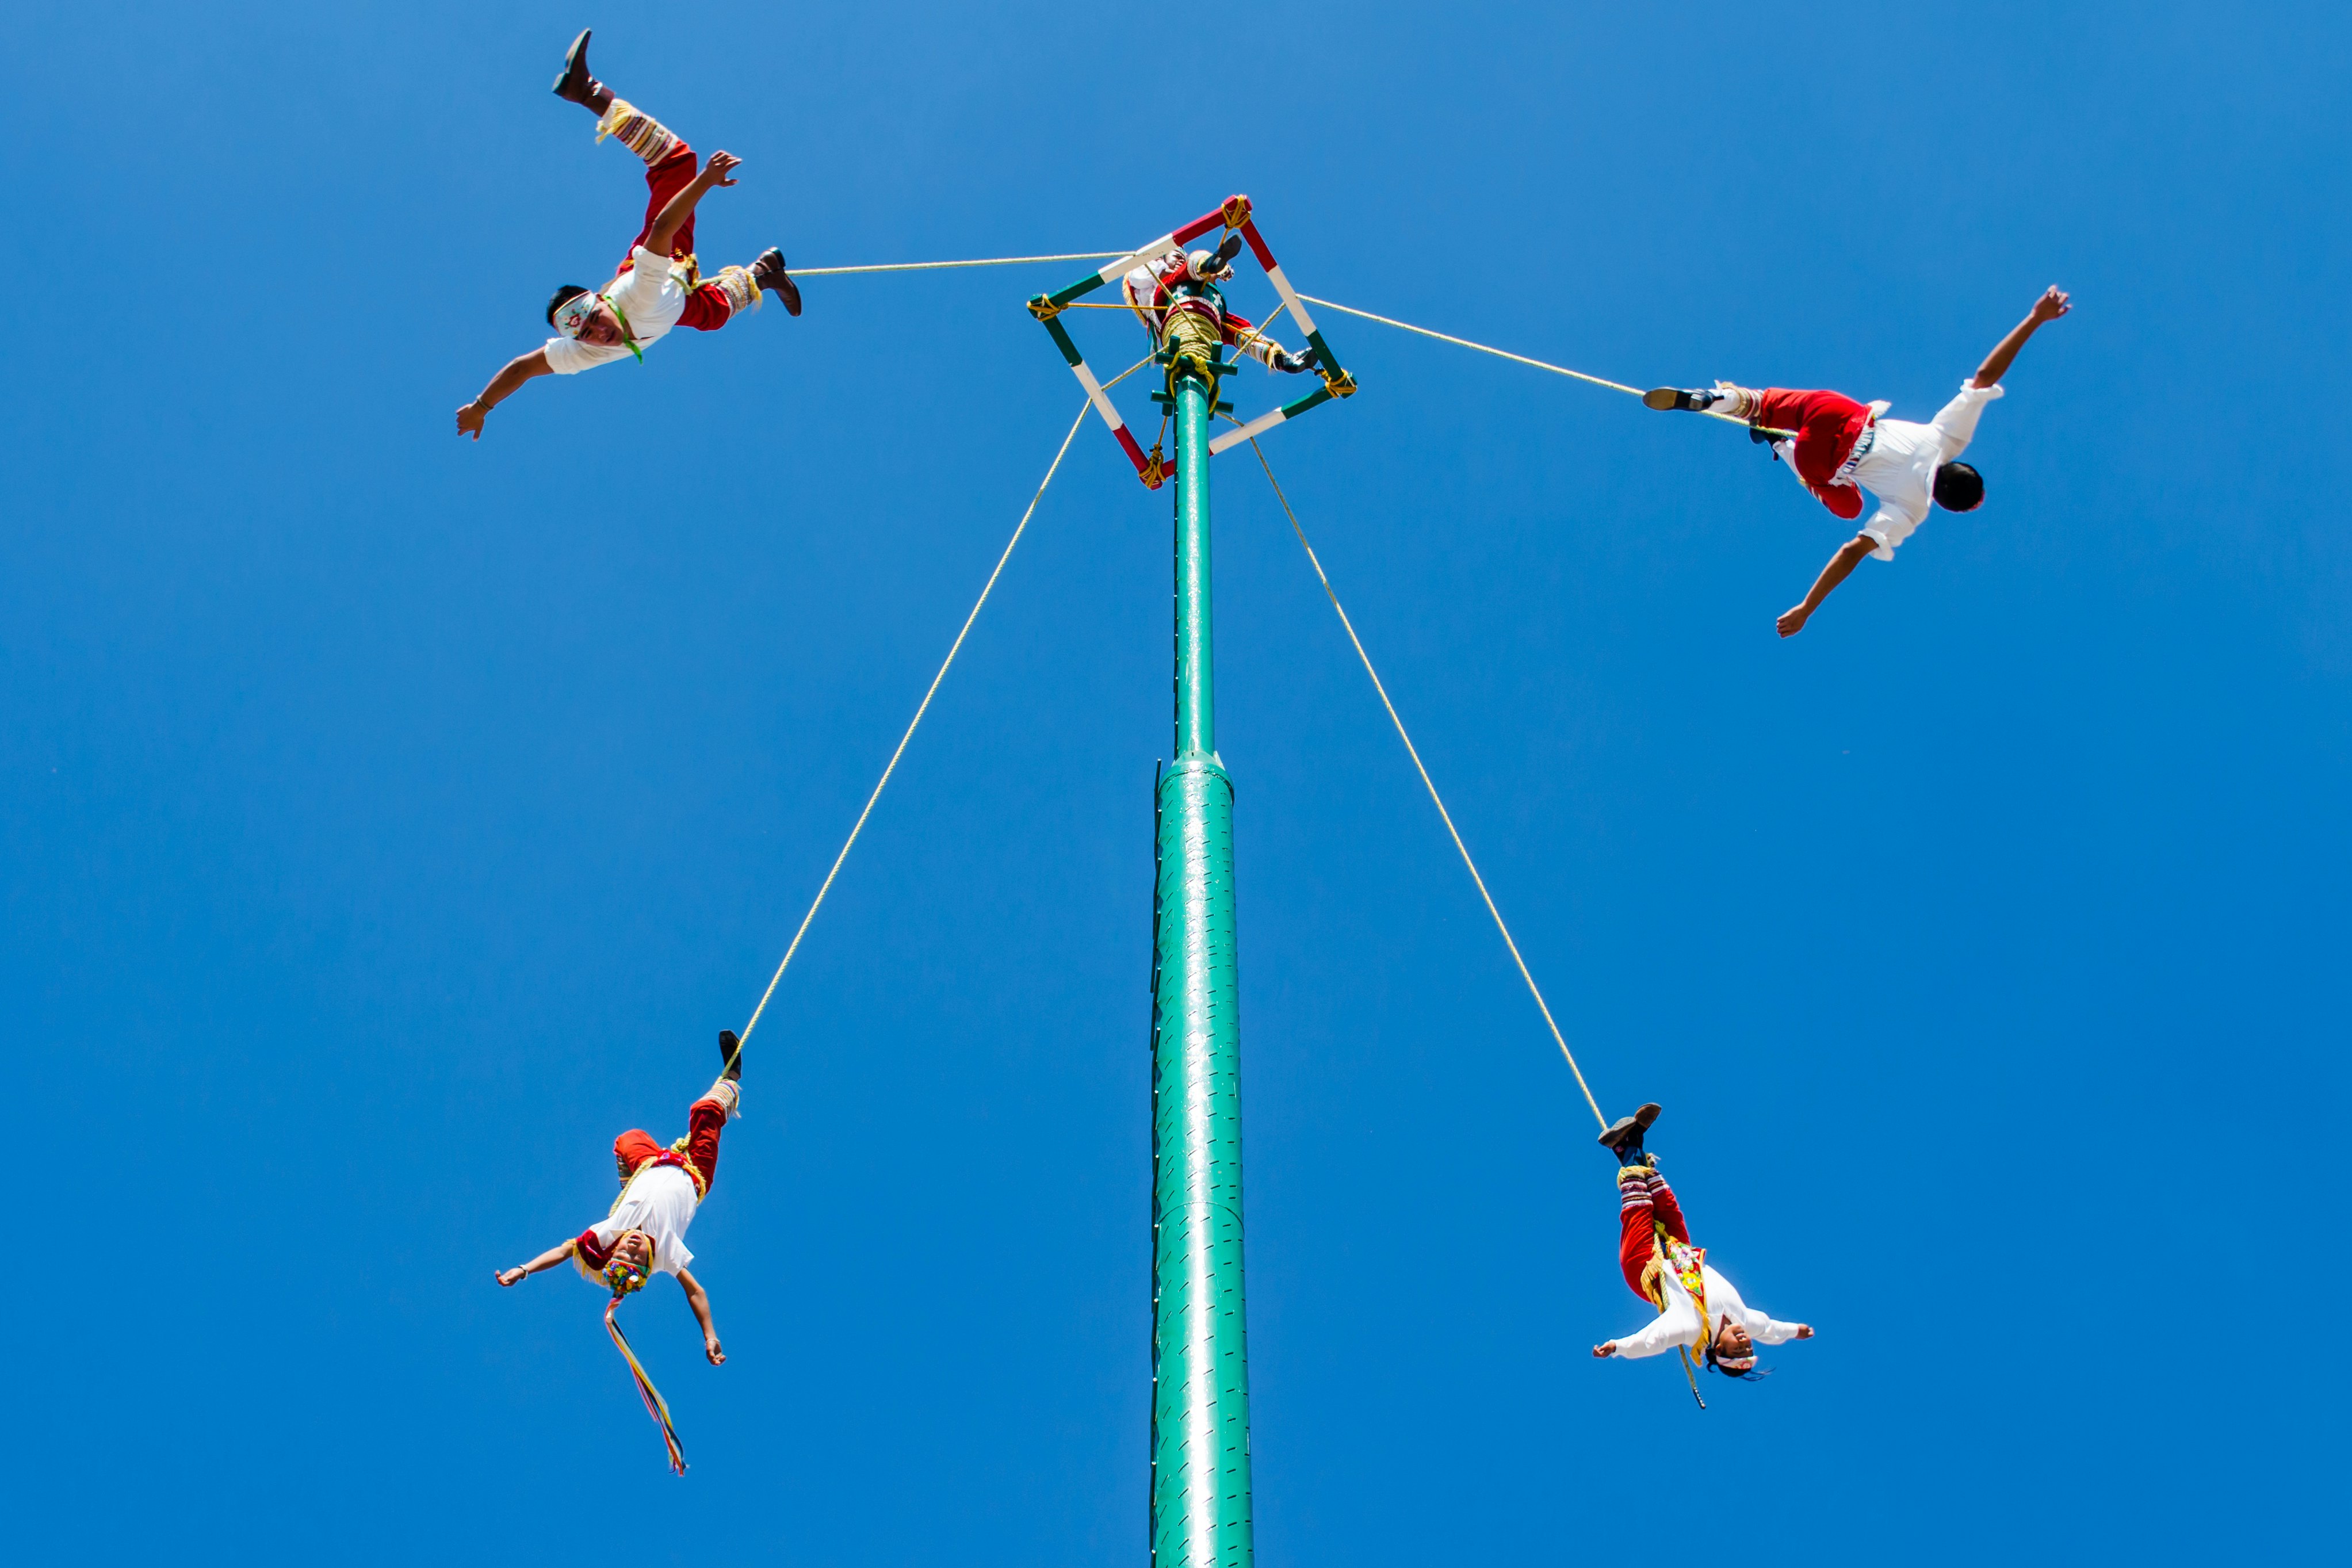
column 656, row 1407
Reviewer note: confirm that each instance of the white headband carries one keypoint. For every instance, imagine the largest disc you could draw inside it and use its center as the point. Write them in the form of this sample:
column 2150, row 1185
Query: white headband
column 572, row 314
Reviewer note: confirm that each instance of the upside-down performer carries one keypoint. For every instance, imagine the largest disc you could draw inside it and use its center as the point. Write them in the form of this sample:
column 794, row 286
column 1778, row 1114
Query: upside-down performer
column 1843, row 447
column 645, row 1234
column 660, row 284
column 1698, row 1309
column 1177, row 298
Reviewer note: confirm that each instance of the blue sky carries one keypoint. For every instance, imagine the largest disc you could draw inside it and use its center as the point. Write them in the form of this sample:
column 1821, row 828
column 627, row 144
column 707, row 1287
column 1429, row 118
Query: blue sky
column 389, row 821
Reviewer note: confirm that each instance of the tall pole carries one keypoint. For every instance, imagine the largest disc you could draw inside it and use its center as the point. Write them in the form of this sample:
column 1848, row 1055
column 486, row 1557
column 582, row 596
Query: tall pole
column 1200, row 1362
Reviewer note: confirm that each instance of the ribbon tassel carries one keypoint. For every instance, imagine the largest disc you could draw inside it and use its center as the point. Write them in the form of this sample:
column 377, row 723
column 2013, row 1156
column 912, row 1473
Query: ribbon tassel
column 656, row 1407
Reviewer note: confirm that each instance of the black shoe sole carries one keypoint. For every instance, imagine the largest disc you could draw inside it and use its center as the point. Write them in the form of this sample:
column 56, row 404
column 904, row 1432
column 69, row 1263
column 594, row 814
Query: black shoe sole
column 790, row 293
column 1664, row 398
column 1629, row 1129
column 730, row 1054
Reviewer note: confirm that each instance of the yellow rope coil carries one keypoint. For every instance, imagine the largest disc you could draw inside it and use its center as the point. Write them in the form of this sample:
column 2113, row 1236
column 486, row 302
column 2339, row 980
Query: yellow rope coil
column 1192, row 344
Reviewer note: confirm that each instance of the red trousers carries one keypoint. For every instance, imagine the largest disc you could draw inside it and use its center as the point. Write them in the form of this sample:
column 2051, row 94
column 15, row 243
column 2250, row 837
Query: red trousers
column 1644, row 1203
column 706, row 308
column 1827, row 425
column 704, row 1123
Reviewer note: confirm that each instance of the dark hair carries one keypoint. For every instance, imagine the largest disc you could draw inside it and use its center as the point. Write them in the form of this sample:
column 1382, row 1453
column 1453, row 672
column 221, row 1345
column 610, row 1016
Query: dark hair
column 574, row 291
column 1959, row 488
column 1753, row 1374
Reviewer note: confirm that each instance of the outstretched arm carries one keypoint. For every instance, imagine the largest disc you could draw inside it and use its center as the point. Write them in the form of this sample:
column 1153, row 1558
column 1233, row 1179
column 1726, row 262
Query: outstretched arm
column 1677, row 1325
column 1841, row 566
column 502, row 387
column 1766, row 1330
column 2053, row 304
column 700, row 1302
column 680, row 207
column 548, row 1260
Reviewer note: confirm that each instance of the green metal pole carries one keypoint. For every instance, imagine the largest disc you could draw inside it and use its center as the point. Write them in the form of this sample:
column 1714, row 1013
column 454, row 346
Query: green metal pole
column 1199, row 1362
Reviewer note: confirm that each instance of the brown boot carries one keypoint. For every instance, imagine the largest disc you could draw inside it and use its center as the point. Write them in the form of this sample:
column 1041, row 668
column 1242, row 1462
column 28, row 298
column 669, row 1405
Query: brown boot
column 575, row 85
column 769, row 272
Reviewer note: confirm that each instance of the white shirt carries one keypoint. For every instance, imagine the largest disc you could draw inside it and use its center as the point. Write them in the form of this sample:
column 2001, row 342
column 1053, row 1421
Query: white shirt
column 1679, row 1323
column 1900, row 466
column 650, row 298
column 659, row 1201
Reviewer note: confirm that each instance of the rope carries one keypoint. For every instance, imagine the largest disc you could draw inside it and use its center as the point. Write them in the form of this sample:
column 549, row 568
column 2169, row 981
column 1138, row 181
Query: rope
column 1414, row 751
column 1522, row 359
column 1130, row 370
column 922, row 708
column 936, row 266
column 1259, row 331
column 655, row 1406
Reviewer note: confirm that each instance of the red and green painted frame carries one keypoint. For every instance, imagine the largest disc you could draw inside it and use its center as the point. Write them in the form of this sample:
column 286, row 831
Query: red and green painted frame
column 1232, row 215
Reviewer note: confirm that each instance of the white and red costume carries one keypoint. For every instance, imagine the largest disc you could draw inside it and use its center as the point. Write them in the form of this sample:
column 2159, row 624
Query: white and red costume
column 1159, row 292
column 665, row 1186
column 1663, row 1268
column 1843, row 447
column 651, row 293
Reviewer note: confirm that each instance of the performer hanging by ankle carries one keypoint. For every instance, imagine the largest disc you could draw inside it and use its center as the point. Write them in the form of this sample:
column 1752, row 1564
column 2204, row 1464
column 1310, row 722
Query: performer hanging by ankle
column 1843, row 447
column 659, row 285
column 1696, row 1306
column 661, row 1189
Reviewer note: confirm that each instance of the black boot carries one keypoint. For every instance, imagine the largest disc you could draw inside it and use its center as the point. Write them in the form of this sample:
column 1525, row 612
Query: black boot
column 769, row 272
column 575, row 85
column 730, row 1051
column 1623, row 1137
column 1667, row 397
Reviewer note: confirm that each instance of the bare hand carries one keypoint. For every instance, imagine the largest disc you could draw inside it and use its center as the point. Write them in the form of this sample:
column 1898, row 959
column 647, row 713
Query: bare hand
column 711, row 1348
column 1605, row 1351
column 512, row 1276
column 721, row 164
column 2054, row 303
column 469, row 420
column 1793, row 621
column 1804, row 1331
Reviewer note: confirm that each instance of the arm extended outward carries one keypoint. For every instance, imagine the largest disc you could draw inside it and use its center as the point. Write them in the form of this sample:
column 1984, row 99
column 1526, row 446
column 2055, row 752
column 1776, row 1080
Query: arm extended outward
column 503, row 386
column 548, row 1260
column 2053, row 304
column 1841, row 566
column 680, row 207
column 699, row 1301
column 1766, row 1330
column 1762, row 1327
column 1677, row 1325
